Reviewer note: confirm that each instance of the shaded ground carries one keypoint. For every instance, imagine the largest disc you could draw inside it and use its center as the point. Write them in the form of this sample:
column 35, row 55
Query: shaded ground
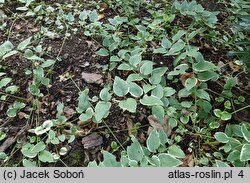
column 77, row 55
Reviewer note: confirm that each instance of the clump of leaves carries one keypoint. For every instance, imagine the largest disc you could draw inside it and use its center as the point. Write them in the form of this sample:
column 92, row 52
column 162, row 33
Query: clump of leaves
column 155, row 154
column 237, row 144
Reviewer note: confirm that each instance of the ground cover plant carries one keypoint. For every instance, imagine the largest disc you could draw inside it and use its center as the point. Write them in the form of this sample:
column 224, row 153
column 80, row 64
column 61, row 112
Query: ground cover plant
column 124, row 83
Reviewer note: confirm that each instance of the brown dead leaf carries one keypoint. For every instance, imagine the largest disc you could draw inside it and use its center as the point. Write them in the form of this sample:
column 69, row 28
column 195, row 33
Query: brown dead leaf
column 154, row 123
column 104, row 6
column 92, row 78
column 101, row 16
column 68, row 111
column 21, row 115
column 92, row 141
column 185, row 76
column 188, row 161
column 234, row 67
column 130, row 126
column 158, row 126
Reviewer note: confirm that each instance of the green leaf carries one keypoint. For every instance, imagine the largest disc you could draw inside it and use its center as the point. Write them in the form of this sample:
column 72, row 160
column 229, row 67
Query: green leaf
column 11, row 89
column 148, row 87
column 5, row 48
column 146, row 68
column 151, row 101
column 135, row 59
column 4, row 82
column 165, row 43
column 120, row 87
column 87, row 115
column 24, row 44
column 168, row 160
column 125, row 67
column 153, row 141
column 47, row 124
column 157, row 91
column 48, row 63
column 207, row 75
column 3, row 156
column 155, row 161
column 135, row 151
column 109, row 160
column 129, row 104
column 245, row 152
column 93, row 16
column 233, row 156
column 83, row 101
column 10, row 54
column 201, row 93
column 190, row 83
column 39, row 130
column 245, row 133
column 63, row 151
column 226, row 116
column 176, row 151
column 135, row 90
column 160, row 50
column 163, row 137
column 26, row 151
column 157, row 74
column 105, row 95
column 180, row 69
column 134, row 77
column 168, row 91
column 221, row 164
column 178, row 35
column 221, row 137
column 101, row 110
column 203, row 66
column 45, row 156
column 11, row 112
column 102, row 52
column 176, row 48
column 159, row 113
column 83, row 15
column 19, row 105
column 40, row 146
column 28, row 163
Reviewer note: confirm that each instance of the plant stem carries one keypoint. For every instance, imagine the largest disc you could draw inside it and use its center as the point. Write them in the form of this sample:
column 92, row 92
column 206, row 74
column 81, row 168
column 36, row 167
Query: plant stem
column 13, row 96
column 114, row 135
column 248, row 106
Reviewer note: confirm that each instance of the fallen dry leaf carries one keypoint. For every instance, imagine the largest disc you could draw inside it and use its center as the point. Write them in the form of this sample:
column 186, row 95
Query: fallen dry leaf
column 92, row 78
column 68, row 111
column 185, row 76
column 21, row 115
column 130, row 126
column 92, row 141
column 158, row 126
column 104, row 6
column 188, row 161
column 234, row 67
column 101, row 16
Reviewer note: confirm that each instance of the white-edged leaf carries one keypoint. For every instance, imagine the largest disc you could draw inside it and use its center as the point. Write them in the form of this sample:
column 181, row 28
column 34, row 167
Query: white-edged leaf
column 129, row 104
column 120, row 87
column 151, row 101
column 245, row 152
column 168, row 160
column 101, row 110
column 221, row 137
column 245, row 133
column 24, row 44
column 153, row 141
